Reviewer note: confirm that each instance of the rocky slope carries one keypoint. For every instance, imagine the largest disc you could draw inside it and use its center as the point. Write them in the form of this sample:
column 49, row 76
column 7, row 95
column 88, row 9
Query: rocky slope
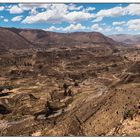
column 41, row 38
column 81, row 89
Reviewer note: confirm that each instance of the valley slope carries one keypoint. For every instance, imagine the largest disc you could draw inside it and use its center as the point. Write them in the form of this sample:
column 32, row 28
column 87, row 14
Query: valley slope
column 75, row 84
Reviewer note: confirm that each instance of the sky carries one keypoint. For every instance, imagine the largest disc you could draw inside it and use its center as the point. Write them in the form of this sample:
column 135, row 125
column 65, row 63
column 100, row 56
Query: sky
column 105, row 18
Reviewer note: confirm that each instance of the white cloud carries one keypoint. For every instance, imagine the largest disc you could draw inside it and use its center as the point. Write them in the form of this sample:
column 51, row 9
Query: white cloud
column 71, row 13
column 1, row 16
column 27, row 6
column 53, row 28
column 57, row 13
column 74, row 7
column 118, row 23
column 119, row 29
column 33, row 11
column 1, row 8
column 74, row 14
column 113, row 12
column 79, row 27
column 20, row 8
column 5, row 20
column 107, row 29
column 54, row 13
column 134, row 24
column 101, row 28
column 131, row 9
column 89, row 9
column 96, row 27
column 15, row 10
column 74, row 27
column 17, row 18
column 70, row 28
column 98, row 19
column 77, row 16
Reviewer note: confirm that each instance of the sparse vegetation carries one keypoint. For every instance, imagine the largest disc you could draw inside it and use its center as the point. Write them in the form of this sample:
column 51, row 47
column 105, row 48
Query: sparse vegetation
column 128, row 114
column 62, row 84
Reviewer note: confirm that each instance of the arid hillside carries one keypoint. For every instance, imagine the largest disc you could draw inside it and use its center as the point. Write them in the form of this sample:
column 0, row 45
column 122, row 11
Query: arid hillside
column 41, row 38
column 9, row 39
column 75, row 84
column 126, row 38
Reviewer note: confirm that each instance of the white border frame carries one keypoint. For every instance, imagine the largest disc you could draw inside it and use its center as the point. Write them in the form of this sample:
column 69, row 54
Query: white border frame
column 69, row 1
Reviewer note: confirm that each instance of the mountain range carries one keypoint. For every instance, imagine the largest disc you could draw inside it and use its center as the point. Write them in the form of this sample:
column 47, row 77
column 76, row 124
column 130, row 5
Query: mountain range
column 126, row 38
column 18, row 38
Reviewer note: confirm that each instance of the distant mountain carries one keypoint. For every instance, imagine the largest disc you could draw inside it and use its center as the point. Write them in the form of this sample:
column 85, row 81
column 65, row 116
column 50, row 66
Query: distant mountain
column 22, row 38
column 52, row 38
column 126, row 38
column 9, row 39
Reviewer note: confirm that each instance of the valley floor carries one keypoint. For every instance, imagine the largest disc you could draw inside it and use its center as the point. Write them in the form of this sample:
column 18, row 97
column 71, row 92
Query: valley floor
column 63, row 92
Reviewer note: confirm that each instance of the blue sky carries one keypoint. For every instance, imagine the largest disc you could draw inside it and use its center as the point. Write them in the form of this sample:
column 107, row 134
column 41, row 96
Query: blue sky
column 104, row 18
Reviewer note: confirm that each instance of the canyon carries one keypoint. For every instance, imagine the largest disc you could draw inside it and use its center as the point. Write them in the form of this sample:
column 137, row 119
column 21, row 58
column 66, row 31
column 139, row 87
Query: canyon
column 68, row 84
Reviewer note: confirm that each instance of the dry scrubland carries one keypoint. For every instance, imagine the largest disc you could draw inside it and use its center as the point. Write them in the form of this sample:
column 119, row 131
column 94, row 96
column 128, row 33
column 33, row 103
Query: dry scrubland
column 78, row 84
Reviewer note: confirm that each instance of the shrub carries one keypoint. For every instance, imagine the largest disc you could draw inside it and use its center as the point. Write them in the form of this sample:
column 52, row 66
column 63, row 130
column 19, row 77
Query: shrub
column 128, row 114
column 75, row 84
